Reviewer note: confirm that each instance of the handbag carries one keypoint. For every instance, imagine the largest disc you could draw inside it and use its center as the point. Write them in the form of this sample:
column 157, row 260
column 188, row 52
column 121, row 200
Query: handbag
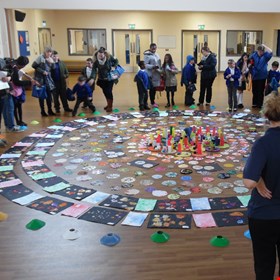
column 16, row 90
column 161, row 86
column 116, row 73
column 69, row 94
column 39, row 92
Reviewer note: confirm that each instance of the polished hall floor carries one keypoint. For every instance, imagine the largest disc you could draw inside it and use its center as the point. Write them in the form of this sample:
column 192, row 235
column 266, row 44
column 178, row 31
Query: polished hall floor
column 44, row 254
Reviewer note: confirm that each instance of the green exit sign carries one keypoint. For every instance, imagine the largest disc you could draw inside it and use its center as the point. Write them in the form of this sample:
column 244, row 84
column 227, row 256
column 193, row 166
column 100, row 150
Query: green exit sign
column 201, row 26
column 131, row 26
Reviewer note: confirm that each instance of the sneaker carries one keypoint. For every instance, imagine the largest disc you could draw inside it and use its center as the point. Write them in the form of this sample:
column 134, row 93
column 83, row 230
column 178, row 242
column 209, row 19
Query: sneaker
column 14, row 129
column 235, row 109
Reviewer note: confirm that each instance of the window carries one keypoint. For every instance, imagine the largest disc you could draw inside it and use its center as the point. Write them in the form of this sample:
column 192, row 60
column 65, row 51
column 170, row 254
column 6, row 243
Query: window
column 239, row 42
column 85, row 41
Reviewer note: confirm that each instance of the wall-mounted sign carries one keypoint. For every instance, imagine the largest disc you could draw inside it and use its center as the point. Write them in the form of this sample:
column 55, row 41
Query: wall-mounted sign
column 201, row 26
column 131, row 25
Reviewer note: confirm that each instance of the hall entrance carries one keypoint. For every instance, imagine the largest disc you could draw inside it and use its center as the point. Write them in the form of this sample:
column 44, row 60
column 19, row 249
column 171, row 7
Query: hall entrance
column 194, row 40
column 129, row 46
column 45, row 38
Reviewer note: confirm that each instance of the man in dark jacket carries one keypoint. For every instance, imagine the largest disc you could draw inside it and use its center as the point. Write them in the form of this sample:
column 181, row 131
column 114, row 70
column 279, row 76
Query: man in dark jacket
column 208, row 74
column 59, row 75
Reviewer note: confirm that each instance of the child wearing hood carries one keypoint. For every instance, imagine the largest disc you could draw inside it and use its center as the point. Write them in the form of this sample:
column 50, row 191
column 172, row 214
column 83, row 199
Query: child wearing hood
column 189, row 79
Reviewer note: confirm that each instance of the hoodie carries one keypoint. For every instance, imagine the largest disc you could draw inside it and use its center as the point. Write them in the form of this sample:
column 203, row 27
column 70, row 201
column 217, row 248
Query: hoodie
column 188, row 72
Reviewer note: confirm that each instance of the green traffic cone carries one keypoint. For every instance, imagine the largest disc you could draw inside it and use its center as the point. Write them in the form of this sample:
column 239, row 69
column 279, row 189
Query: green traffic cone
column 160, row 237
column 35, row 224
column 57, row 120
column 96, row 113
column 219, row 241
column 82, row 115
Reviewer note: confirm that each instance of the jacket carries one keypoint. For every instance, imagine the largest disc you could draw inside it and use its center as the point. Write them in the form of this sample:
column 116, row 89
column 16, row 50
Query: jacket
column 235, row 77
column 209, row 67
column 103, row 70
column 153, row 60
column 170, row 76
column 64, row 73
column 83, row 91
column 188, row 72
column 259, row 67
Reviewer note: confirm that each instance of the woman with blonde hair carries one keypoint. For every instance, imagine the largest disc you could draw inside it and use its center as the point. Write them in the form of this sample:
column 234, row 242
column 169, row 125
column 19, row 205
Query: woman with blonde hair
column 261, row 174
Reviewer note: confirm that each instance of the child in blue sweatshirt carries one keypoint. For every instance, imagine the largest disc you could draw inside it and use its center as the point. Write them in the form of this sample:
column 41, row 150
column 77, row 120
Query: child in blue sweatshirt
column 232, row 75
column 84, row 94
column 189, row 79
column 142, row 81
column 273, row 73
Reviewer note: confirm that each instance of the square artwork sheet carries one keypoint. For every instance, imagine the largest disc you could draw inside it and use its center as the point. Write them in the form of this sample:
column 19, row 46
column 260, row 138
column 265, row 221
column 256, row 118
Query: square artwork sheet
column 15, row 192
column 103, row 215
column 222, row 203
column 227, row 219
column 49, row 205
column 178, row 221
column 120, row 201
column 168, row 205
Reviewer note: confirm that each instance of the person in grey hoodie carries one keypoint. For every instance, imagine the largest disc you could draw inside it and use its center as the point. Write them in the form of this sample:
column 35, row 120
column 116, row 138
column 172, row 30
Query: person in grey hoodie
column 153, row 68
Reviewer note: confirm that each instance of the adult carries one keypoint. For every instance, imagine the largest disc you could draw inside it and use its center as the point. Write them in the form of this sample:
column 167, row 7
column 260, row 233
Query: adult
column 207, row 65
column 261, row 174
column 60, row 75
column 43, row 66
column 153, row 66
column 102, row 66
column 242, row 64
column 258, row 68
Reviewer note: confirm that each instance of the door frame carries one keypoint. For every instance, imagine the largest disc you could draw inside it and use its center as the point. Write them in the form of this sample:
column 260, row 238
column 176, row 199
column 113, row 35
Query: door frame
column 196, row 30
column 129, row 30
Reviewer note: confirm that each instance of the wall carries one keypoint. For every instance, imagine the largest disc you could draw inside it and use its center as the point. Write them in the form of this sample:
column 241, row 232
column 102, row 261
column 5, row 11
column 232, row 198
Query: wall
column 260, row 6
column 162, row 23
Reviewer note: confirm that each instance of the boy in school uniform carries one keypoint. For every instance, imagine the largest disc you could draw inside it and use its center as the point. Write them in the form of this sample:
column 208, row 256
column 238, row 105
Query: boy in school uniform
column 232, row 75
column 273, row 73
column 84, row 94
column 188, row 79
column 88, row 73
column 142, row 81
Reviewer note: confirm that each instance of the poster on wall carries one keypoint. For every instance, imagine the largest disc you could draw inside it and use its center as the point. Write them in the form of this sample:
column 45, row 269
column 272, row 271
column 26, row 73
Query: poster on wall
column 23, row 41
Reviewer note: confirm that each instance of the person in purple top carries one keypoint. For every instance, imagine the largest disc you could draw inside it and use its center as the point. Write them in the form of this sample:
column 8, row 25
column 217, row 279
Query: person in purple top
column 261, row 174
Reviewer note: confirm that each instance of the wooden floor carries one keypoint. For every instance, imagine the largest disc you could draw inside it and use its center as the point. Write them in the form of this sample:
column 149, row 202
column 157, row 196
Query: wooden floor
column 44, row 254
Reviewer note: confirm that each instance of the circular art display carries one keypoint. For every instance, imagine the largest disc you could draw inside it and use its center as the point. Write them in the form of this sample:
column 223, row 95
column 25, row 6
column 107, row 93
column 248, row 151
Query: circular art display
column 122, row 162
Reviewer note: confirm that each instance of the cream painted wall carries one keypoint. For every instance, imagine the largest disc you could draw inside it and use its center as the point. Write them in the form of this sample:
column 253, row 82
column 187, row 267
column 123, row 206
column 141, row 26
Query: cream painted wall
column 162, row 23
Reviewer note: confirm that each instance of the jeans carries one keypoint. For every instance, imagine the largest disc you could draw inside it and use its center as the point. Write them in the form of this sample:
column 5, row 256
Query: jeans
column 8, row 111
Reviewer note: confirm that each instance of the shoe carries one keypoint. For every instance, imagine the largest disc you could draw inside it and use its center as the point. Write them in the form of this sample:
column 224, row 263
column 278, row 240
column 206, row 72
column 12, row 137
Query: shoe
column 44, row 114
column 14, row 129
column 57, row 111
column 73, row 114
column 254, row 106
column 3, row 143
column 84, row 106
column 146, row 107
column 51, row 113
column 93, row 109
column 230, row 110
column 68, row 110
column 167, row 105
column 198, row 104
column 259, row 107
column 22, row 124
column 207, row 104
column 173, row 103
column 141, row 108
column 240, row 106
column 235, row 109
column 155, row 105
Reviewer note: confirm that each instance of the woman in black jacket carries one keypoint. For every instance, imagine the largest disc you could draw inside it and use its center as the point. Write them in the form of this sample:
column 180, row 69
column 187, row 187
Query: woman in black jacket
column 208, row 74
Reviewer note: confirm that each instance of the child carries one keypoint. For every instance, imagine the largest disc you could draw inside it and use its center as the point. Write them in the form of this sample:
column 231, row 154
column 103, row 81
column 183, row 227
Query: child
column 243, row 65
column 18, row 91
column 189, row 79
column 84, row 94
column 169, row 72
column 272, row 73
column 232, row 75
column 88, row 73
column 142, row 81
